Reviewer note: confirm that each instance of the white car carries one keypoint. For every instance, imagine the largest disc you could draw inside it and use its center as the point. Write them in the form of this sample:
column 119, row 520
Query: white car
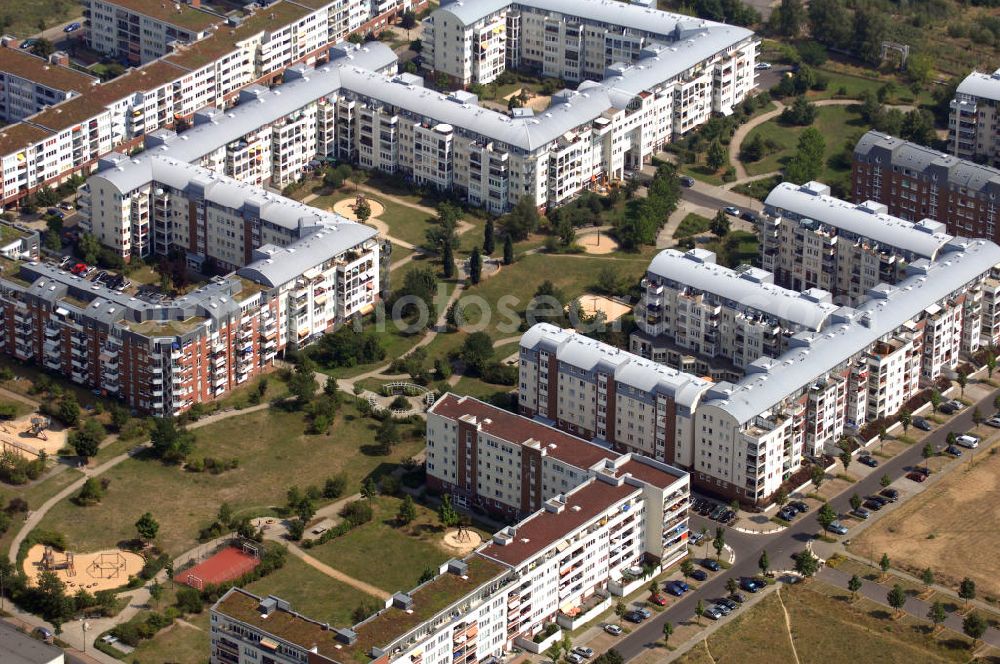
column 994, row 421
column 584, row 651
column 613, row 630
column 760, row 66
column 967, row 441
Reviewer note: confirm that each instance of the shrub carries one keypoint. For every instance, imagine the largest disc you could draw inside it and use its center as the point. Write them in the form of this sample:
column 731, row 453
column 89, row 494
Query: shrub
column 357, row 512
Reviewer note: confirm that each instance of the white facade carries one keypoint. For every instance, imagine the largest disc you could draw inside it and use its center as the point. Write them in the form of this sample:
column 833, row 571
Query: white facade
column 972, row 122
column 140, row 32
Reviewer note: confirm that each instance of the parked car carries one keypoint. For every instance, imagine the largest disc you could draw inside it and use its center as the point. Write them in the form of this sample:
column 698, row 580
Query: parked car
column 953, row 450
column 762, row 66
column 881, row 500
column 711, row 565
column 956, row 403
column 713, row 613
column 724, row 610
column 65, row 261
column 921, row 424
column 748, row 216
column 79, row 269
column 687, row 181
column 750, row 584
column 72, row 27
column 732, row 209
column 65, row 206
column 872, row 505
column 56, row 212
column 644, row 612
column 800, row 506
column 633, row 617
column 727, row 517
column 837, row 527
column 699, row 575
column 673, row 588
column 965, row 440
column 717, row 512
column 787, row 513
column 994, row 421
column 728, row 603
column 613, row 630
column 573, row 658
column 890, row 494
column 43, row 633
column 28, row 43
column 867, row 460
column 916, row 477
column 584, row 651
column 948, row 409
column 658, row 600
column 860, row 513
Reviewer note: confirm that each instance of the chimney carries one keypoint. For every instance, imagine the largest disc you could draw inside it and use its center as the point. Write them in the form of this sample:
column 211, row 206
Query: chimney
column 59, row 58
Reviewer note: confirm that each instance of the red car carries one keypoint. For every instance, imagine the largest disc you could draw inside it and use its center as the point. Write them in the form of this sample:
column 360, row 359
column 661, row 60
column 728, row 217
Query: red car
column 916, row 477
column 79, row 268
column 658, row 600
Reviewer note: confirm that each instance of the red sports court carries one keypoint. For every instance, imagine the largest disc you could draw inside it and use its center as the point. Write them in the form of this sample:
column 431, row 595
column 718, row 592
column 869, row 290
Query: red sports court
column 228, row 564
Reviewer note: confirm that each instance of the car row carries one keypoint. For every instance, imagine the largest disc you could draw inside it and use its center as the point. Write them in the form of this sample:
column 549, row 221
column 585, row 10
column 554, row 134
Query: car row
column 951, row 407
column 792, row 510
column 714, row 511
column 111, row 280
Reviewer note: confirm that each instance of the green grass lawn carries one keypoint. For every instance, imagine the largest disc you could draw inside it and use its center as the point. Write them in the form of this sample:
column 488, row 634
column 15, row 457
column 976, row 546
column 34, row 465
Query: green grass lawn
column 758, row 189
column 178, row 643
column 736, row 248
column 311, row 592
column 35, row 495
column 29, row 18
column 700, row 171
column 384, row 555
column 273, row 455
column 692, row 224
column 405, row 223
column 837, row 124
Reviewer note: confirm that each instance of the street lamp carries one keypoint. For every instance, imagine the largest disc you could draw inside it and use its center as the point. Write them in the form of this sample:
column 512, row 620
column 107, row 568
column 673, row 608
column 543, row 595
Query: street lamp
column 84, row 627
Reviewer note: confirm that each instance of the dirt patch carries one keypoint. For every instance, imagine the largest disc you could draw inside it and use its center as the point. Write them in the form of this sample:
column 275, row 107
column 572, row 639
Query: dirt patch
column 101, row 570
column 597, row 243
column 945, row 528
column 17, row 436
column 345, row 208
column 467, row 543
column 590, row 304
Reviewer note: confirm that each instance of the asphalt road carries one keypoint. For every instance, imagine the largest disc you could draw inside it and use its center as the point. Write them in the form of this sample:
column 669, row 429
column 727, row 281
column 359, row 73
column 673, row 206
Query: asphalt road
column 781, row 546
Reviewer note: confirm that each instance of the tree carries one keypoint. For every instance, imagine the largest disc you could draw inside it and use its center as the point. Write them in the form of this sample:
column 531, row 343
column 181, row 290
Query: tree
column 884, row 564
column 89, row 248
column 68, row 411
column 846, row 458
column 830, row 23
column 732, row 585
column 554, row 651
column 414, row 300
column 962, row 380
column 752, row 149
column 91, row 492
column 854, row 585
column 807, row 162
column 974, row 626
column 387, row 434
column 302, row 384
column 699, row 610
column 781, row 496
column 147, row 527
column 885, row 480
column 883, row 433
column 448, row 261
column 977, row 416
column 927, row 577
column 155, row 592
column 918, row 126
column 936, row 400
column 170, row 442
column 522, row 220
column 716, row 157
column 763, row 564
column 668, row 630
column 817, row 475
column 446, row 513
column 855, row 502
column 967, row 590
column 687, row 567
column 477, row 352
column 508, row 250
column 489, row 239
column 826, row 515
column 334, row 486
column 369, row 489
column 408, row 21
column 896, row 598
column 407, row 511
column 806, row 563
column 363, row 210
column 86, row 441
column 937, row 615
column 927, row 452
column 620, row 608
column 991, row 364
column 719, row 542
column 475, row 266
column 788, row 17
column 720, row 224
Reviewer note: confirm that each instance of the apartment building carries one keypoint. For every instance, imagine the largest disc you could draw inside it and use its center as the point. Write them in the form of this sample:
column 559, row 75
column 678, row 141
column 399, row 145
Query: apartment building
column 724, row 318
column 972, row 121
column 810, row 239
column 29, row 84
column 602, row 393
column 915, row 182
column 562, row 564
column 140, row 31
column 163, row 357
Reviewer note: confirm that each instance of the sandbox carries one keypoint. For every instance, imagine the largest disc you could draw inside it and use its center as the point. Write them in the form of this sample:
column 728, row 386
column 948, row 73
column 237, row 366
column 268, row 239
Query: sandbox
column 345, row 208
column 101, row 570
column 597, row 243
column 18, row 436
column 590, row 304
column 462, row 541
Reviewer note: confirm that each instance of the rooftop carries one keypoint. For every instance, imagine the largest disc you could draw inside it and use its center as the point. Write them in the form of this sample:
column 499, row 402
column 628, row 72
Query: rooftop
column 17, row 137
column 170, row 11
column 545, row 528
column 978, row 84
column 753, row 289
column 33, row 68
column 95, row 101
column 227, row 38
column 651, row 472
column 521, row 430
column 812, row 200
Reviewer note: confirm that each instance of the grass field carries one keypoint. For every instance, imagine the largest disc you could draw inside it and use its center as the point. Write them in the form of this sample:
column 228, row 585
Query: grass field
column 273, row 455
column 389, row 557
column 692, row 224
column 28, row 18
column 311, row 592
column 825, row 628
column 937, row 528
column 837, row 124
column 179, row 643
column 406, row 223
column 758, row 189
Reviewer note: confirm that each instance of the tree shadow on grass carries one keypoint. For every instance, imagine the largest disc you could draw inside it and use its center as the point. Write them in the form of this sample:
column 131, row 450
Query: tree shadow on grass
column 880, row 614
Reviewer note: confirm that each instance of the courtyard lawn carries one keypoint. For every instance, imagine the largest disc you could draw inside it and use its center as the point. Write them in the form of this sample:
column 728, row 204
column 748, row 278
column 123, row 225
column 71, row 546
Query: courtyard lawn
column 188, row 643
column 380, row 553
column 273, row 454
column 692, row 224
column 404, row 222
column 310, row 592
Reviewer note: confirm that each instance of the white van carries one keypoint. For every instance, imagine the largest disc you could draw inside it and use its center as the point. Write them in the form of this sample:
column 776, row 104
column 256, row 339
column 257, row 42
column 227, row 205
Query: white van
column 965, row 440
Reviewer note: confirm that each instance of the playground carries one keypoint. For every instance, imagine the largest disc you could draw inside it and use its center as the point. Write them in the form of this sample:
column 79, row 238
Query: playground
column 597, row 243
column 230, row 562
column 590, row 304
column 345, row 208
column 93, row 572
column 32, row 434
column 462, row 540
